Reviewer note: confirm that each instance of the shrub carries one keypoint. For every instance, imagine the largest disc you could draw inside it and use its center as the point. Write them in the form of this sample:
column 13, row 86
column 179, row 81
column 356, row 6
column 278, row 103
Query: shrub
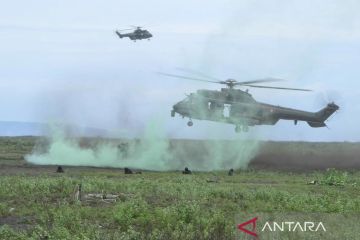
column 334, row 177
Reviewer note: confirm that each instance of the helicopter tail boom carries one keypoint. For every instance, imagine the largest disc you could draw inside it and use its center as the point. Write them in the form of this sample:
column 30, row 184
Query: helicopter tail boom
column 324, row 114
column 327, row 111
column 316, row 124
column 119, row 34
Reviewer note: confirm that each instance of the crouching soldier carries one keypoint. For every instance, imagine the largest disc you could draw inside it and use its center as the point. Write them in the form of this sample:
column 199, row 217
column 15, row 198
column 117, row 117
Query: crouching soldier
column 186, row 171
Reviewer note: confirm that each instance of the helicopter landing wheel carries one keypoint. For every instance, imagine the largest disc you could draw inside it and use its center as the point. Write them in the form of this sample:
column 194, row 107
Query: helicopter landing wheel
column 172, row 113
column 237, row 129
column 245, row 128
column 190, row 123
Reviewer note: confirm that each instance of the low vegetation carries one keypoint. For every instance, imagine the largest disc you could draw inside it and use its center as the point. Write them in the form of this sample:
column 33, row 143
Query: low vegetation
column 158, row 205
column 37, row 203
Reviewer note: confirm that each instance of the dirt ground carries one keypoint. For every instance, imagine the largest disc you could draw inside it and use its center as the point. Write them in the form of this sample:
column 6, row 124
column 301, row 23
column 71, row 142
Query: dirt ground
column 34, row 170
column 304, row 156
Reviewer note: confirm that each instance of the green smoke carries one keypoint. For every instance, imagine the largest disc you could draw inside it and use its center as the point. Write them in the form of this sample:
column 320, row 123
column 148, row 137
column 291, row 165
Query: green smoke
column 153, row 151
column 210, row 155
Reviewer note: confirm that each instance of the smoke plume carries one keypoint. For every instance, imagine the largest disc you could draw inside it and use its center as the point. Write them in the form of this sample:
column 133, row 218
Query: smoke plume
column 153, row 151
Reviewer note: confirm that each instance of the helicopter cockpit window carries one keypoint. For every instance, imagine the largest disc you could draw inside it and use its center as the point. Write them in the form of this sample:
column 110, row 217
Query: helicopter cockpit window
column 186, row 100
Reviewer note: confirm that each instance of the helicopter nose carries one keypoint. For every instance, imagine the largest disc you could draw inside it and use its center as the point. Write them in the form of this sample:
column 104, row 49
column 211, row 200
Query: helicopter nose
column 176, row 106
column 181, row 108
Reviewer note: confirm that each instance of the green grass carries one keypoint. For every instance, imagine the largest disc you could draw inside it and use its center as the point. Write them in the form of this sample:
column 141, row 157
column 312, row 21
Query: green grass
column 161, row 205
column 14, row 148
column 36, row 203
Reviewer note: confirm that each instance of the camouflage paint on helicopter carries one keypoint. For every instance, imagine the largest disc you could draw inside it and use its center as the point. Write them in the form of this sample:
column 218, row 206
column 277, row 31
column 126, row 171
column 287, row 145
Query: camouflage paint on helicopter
column 238, row 107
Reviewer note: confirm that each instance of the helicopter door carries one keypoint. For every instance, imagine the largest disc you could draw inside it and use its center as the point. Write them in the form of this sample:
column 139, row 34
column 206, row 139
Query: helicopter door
column 226, row 110
column 212, row 106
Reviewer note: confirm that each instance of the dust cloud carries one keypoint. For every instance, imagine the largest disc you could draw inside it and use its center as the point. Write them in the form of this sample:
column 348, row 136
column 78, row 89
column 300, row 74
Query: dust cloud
column 153, row 151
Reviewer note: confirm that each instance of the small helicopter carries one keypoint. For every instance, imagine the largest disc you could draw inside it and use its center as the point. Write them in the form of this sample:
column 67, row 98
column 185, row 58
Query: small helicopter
column 137, row 34
column 238, row 107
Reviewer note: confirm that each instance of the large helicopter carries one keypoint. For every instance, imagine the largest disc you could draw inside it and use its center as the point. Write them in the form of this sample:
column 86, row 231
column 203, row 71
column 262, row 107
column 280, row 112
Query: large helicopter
column 238, row 107
column 137, row 34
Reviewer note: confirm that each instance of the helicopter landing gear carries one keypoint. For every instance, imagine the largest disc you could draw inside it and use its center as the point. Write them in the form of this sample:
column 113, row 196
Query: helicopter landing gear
column 190, row 123
column 244, row 128
column 172, row 113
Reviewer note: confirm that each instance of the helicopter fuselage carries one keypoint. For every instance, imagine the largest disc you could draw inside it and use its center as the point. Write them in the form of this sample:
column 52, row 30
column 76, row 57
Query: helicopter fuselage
column 234, row 106
column 136, row 35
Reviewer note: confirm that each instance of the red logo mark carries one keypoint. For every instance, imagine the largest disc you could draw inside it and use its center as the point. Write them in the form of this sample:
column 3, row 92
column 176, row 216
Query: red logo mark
column 252, row 232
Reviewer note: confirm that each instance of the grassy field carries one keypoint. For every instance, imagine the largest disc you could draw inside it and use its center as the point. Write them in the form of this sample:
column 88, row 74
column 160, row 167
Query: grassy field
column 37, row 203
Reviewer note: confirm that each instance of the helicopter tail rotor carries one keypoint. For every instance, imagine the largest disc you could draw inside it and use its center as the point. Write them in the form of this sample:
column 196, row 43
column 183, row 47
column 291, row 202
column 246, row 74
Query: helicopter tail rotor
column 328, row 96
column 323, row 115
column 327, row 111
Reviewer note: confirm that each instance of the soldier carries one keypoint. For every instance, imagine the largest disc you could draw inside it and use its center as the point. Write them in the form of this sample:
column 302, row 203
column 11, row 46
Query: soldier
column 186, row 171
column 77, row 192
column 128, row 171
column 231, row 172
column 59, row 169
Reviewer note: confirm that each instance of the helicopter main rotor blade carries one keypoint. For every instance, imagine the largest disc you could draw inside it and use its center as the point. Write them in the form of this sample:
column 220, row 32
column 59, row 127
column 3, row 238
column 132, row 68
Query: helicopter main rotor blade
column 199, row 74
column 263, row 80
column 184, row 77
column 136, row 26
column 232, row 82
column 124, row 29
column 282, row 88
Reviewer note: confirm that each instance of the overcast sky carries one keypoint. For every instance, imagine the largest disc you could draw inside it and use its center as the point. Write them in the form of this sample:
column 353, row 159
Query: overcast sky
column 61, row 61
